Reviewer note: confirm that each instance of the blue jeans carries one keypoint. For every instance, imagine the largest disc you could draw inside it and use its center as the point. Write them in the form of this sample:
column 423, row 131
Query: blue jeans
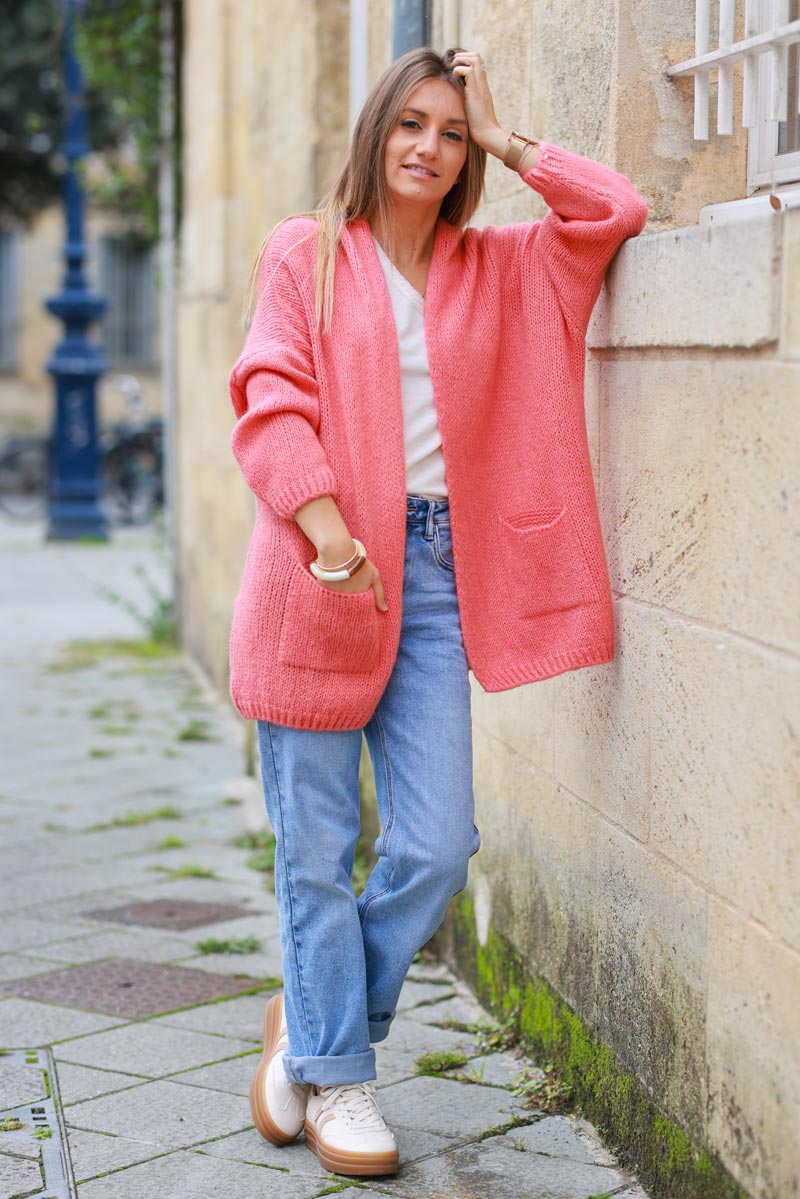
column 345, row 959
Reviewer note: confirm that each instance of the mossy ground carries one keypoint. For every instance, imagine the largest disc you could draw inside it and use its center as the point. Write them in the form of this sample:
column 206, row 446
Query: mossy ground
column 667, row 1161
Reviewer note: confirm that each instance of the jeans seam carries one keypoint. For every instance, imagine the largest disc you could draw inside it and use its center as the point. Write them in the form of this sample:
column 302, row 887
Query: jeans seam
column 444, row 562
column 289, row 885
column 389, row 823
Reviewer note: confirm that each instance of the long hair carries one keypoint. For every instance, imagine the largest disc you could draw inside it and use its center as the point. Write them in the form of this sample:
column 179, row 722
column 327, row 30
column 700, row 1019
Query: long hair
column 360, row 189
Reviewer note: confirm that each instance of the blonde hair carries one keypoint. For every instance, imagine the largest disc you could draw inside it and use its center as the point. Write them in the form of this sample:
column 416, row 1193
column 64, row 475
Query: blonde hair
column 360, row 189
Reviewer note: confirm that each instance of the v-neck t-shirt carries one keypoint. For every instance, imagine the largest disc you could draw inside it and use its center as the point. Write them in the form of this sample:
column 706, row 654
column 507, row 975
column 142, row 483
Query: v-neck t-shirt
column 423, row 443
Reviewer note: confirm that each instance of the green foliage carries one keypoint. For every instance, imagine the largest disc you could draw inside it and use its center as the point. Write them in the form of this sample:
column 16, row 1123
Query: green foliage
column 549, row 1093
column 439, row 1062
column 118, row 45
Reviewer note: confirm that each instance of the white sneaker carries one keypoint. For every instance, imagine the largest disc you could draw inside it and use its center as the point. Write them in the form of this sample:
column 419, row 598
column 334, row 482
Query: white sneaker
column 278, row 1107
column 346, row 1130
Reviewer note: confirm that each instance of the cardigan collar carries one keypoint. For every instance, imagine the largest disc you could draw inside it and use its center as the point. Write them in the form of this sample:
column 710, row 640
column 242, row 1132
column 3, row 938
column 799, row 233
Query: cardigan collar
column 446, row 241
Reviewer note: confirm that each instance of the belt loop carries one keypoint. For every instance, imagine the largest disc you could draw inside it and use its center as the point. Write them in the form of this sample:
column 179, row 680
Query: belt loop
column 429, row 519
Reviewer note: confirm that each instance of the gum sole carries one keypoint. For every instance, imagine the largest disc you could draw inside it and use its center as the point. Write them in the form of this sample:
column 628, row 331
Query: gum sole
column 258, row 1104
column 354, row 1163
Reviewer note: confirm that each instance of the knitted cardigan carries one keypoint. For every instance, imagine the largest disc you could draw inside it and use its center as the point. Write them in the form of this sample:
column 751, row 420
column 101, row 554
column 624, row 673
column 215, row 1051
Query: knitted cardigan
column 506, row 311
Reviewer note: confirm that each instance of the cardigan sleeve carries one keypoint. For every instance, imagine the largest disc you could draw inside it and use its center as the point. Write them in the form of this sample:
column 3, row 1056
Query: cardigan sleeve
column 274, row 392
column 593, row 209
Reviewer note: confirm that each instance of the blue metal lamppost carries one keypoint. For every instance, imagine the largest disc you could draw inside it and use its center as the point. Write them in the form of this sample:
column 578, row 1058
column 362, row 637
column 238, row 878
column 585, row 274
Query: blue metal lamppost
column 76, row 363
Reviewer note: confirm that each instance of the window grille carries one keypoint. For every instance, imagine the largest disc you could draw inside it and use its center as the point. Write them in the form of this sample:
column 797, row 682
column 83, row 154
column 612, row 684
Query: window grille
column 768, row 53
column 127, row 282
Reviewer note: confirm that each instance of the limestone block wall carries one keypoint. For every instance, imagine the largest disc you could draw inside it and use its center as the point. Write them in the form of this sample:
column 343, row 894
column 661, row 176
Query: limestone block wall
column 640, row 819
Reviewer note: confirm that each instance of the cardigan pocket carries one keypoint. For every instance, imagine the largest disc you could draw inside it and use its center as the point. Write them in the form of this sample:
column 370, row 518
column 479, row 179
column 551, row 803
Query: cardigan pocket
column 324, row 629
column 545, row 560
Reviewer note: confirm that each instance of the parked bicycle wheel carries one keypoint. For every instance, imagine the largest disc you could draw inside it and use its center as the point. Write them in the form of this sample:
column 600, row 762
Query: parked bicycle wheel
column 132, row 470
column 24, row 477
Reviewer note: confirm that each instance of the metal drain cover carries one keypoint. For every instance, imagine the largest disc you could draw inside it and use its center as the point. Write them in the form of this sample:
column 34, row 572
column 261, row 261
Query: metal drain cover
column 33, row 1133
column 171, row 913
column 123, row 987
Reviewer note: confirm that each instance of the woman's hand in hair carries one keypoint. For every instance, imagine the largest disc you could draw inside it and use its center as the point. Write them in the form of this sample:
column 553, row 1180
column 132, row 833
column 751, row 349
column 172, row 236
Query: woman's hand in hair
column 477, row 96
column 365, row 577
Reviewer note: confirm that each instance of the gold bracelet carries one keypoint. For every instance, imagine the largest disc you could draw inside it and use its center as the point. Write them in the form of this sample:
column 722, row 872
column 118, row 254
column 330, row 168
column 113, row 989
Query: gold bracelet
column 517, row 145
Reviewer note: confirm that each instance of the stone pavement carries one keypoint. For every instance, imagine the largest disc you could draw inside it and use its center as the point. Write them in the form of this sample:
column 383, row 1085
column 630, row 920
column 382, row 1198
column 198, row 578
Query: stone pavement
column 128, row 1050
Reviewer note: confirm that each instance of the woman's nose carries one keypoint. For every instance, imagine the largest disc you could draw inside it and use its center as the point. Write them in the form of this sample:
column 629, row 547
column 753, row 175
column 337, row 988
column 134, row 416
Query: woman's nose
column 427, row 142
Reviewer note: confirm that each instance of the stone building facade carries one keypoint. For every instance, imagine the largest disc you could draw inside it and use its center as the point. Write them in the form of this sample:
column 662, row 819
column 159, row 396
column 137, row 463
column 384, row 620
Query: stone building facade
column 637, row 894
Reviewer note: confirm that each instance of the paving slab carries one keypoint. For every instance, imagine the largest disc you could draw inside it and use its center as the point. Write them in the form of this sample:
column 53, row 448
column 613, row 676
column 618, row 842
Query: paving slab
column 19, row 1083
column 452, row 1109
column 233, row 1076
column 249, row 1146
column 94, row 1153
column 87, row 1082
column 240, row 1017
column 20, row 965
column 103, row 943
column 414, row 993
column 200, row 1174
column 163, row 1113
column 494, row 1070
column 149, row 1050
column 25, row 1022
column 553, row 1135
column 484, row 1173
column 19, row 1176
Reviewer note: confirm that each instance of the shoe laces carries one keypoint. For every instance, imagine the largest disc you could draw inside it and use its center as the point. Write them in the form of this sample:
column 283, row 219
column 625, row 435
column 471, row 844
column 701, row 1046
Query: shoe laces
column 356, row 1103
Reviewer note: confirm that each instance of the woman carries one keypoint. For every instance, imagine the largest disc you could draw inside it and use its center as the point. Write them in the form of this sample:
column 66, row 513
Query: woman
column 410, row 416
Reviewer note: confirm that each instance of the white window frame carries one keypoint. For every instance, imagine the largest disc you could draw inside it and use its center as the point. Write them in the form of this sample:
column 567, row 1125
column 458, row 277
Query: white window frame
column 765, row 167
column 763, row 50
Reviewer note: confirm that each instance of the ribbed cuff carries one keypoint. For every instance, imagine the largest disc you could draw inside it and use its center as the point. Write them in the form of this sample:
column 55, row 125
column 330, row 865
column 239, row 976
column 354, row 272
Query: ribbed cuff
column 289, row 498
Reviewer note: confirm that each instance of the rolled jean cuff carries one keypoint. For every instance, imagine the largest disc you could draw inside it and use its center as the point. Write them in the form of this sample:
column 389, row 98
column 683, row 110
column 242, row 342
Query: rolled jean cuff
column 332, row 1069
column 379, row 1029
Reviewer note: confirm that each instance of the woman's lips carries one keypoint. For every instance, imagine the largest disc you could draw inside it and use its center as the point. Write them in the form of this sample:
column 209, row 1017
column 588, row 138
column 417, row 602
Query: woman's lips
column 420, row 172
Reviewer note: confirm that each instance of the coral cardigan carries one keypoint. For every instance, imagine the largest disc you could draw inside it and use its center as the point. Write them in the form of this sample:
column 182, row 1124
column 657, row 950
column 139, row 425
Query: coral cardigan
column 506, row 311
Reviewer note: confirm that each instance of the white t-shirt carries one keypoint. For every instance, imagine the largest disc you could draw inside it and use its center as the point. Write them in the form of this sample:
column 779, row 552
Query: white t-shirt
column 424, row 458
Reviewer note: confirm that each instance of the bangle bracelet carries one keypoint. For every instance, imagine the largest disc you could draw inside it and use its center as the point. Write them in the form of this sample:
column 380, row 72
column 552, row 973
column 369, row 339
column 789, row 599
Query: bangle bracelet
column 333, row 575
column 517, row 144
column 340, row 565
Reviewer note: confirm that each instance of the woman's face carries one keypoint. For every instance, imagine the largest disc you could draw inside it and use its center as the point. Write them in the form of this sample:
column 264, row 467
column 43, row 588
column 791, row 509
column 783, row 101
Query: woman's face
column 428, row 146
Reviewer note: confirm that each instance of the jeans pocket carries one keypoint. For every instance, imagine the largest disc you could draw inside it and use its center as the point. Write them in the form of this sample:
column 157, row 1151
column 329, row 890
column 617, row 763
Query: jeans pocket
column 443, row 545
column 325, row 629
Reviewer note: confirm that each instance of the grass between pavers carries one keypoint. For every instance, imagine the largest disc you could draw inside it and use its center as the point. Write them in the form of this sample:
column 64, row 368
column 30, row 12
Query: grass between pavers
column 439, row 1061
column 243, row 945
column 165, row 812
column 81, row 655
column 188, row 870
column 170, row 843
column 196, row 730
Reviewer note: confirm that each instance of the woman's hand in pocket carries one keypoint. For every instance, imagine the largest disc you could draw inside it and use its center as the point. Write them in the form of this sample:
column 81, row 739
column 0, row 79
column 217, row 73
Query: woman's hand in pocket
column 365, row 577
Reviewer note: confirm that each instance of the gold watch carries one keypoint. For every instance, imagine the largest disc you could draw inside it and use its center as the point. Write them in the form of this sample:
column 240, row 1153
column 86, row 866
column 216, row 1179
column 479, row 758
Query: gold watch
column 516, row 148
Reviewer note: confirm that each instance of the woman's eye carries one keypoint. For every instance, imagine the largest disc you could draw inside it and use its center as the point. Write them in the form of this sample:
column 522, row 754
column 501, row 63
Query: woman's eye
column 410, row 123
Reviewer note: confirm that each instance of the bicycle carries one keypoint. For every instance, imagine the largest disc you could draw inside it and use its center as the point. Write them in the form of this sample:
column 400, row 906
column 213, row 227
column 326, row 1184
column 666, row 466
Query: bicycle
column 131, row 463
